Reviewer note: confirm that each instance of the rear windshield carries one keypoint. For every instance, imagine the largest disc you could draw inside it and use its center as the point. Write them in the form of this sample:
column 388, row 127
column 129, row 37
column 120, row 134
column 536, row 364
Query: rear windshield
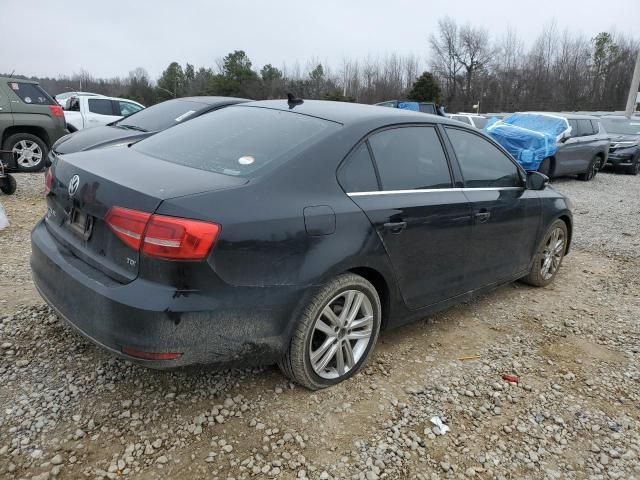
column 31, row 93
column 163, row 115
column 236, row 140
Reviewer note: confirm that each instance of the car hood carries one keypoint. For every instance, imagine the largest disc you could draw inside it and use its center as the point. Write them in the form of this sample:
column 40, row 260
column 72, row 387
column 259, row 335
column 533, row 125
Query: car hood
column 615, row 137
column 98, row 137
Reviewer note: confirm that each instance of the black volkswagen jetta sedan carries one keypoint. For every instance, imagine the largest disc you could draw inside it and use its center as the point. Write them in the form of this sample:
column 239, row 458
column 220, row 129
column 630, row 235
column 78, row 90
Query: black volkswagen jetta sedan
column 288, row 232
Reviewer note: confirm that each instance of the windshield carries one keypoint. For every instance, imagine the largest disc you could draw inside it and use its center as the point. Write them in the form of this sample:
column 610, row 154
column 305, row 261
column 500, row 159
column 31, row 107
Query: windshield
column 161, row 116
column 236, row 140
column 623, row 126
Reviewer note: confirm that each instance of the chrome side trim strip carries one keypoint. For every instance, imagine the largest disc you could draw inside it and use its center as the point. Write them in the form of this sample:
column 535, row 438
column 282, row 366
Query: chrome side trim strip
column 432, row 190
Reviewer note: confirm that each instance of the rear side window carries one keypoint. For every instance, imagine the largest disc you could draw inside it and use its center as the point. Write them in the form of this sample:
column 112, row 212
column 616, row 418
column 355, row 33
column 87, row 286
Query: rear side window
column 237, row 140
column 357, row 174
column 31, row 93
column 462, row 119
column 585, row 128
column 100, row 106
column 410, row 158
column 481, row 162
column 128, row 108
column 427, row 108
column 480, row 122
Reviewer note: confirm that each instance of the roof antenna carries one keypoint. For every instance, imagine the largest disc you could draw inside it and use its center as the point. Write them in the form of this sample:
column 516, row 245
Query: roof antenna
column 293, row 101
column 14, row 71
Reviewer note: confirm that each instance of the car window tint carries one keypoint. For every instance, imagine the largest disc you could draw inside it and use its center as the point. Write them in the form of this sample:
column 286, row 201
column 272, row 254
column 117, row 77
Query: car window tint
column 427, row 108
column 410, row 158
column 237, row 140
column 31, row 93
column 357, row 173
column 596, row 126
column 128, row 108
column 164, row 115
column 482, row 163
column 585, row 128
column 574, row 127
column 100, row 106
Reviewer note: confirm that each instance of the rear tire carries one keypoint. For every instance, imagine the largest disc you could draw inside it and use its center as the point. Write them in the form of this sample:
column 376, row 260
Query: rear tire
column 549, row 255
column 8, row 185
column 329, row 345
column 30, row 149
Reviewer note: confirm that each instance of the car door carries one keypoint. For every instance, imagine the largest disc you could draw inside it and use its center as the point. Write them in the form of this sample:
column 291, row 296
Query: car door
column 100, row 111
column 506, row 214
column 423, row 222
column 6, row 117
column 568, row 154
column 587, row 150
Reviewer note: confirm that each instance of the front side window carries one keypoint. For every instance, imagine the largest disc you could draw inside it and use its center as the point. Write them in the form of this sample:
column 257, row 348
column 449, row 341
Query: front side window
column 357, row 173
column 237, row 141
column 100, row 106
column 31, row 93
column 574, row 128
column 483, row 165
column 410, row 158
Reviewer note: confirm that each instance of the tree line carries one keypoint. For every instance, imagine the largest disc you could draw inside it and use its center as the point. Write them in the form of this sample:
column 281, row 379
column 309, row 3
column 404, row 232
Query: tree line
column 465, row 66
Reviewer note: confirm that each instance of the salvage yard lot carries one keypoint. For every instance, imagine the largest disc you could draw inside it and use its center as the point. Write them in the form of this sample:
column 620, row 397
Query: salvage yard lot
column 70, row 410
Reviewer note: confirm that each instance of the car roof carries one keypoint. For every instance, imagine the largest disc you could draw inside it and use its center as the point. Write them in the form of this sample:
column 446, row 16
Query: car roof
column 213, row 101
column 17, row 79
column 348, row 113
column 622, row 117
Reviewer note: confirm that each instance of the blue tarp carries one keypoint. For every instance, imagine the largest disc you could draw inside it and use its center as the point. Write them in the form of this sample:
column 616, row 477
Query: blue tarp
column 529, row 137
column 409, row 106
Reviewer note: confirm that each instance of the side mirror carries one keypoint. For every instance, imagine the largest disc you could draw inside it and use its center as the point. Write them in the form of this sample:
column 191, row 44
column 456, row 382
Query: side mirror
column 537, row 181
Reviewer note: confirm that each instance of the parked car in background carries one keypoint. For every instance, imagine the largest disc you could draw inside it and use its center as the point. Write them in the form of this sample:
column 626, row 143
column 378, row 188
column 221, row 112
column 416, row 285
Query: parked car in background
column 624, row 152
column 62, row 98
column 424, row 107
column 583, row 152
column 477, row 121
column 288, row 232
column 86, row 111
column 142, row 124
column 30, row 122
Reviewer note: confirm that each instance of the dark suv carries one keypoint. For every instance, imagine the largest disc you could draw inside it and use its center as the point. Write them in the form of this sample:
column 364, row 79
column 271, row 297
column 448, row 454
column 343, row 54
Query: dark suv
column 624, row 133
column 30, row 122
column 583, row 152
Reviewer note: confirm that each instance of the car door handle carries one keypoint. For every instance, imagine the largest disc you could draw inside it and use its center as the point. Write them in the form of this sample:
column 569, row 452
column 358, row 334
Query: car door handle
column 483, row 216
column 395, row 227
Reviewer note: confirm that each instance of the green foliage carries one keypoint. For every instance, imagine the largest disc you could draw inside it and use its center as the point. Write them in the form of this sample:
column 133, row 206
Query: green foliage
column 171, row 83
column 337, row 96
column 425, row 89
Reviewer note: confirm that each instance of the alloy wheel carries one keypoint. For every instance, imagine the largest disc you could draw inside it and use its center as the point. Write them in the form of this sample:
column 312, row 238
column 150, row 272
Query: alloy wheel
column 29, row 154
column 552, row 253
column 341, row 334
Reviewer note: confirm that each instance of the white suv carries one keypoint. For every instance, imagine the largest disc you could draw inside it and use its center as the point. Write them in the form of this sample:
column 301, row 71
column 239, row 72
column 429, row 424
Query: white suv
column 477, row 121
column 86, row 111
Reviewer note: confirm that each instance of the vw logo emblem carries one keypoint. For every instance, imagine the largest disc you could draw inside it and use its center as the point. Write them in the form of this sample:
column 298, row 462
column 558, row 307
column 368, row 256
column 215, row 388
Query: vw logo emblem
column 74, row 183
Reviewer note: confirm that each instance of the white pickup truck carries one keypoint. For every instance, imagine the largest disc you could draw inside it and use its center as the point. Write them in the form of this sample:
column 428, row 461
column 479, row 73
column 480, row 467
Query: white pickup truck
column 93, row 111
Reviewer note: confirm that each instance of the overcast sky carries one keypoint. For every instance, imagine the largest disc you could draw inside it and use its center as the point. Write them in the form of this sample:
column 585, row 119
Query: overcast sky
column 111, row 37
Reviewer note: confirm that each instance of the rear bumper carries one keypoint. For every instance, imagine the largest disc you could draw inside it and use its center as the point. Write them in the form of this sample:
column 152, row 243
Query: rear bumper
column 151, row 317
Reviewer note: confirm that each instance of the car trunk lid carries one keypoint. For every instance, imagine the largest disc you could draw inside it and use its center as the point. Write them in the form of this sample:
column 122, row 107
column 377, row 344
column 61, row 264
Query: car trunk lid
column 86, row 185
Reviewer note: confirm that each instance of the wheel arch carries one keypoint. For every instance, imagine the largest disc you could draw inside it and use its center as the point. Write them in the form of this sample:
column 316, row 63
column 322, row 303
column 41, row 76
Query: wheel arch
column 39, row 132
column 381, row 285
column 569, row 224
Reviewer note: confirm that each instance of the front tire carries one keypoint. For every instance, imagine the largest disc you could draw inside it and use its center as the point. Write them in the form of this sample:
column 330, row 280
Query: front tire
column 549, row 255
column 30, row 151
column 634, row 169
column 335, row 335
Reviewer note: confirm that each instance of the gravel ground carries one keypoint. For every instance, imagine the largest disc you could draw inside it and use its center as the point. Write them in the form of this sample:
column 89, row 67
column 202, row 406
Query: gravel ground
column 69, row 410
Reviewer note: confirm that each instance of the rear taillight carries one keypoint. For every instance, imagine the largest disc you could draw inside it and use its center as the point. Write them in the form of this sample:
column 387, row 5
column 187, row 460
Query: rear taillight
column 56, row 111
column 128, row 225
column 48, row 180
column 160, row 236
